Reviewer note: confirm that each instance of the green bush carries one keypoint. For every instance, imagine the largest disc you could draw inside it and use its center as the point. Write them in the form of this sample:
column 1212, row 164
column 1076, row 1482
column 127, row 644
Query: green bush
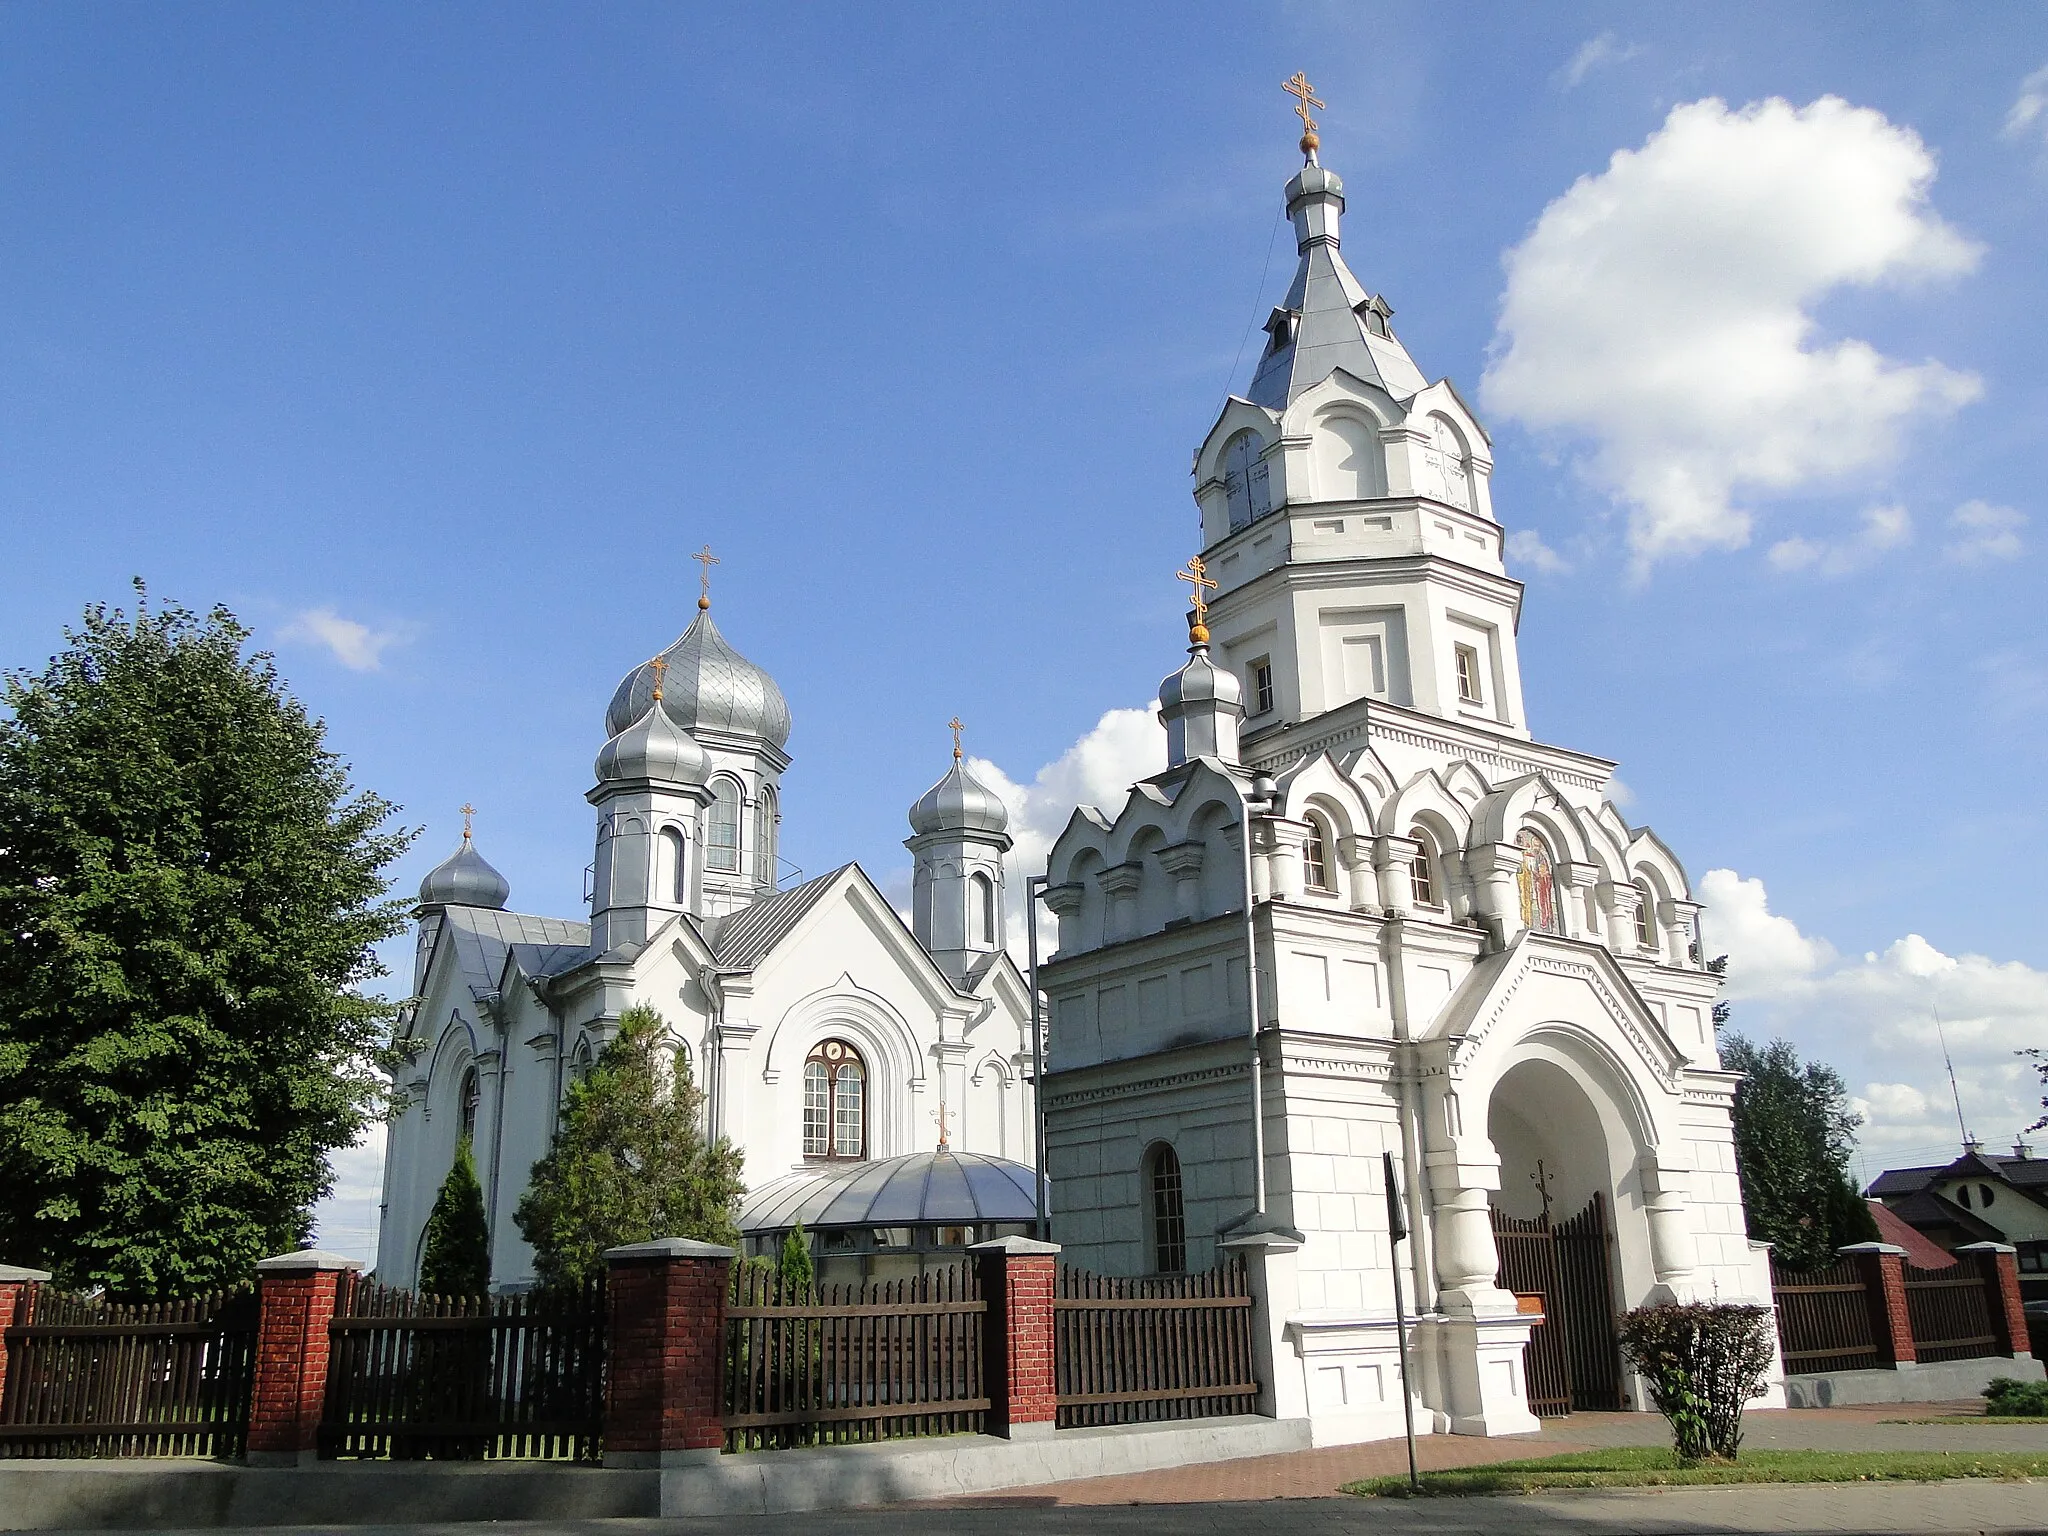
column 2009, row 1399
column 1704, row 1362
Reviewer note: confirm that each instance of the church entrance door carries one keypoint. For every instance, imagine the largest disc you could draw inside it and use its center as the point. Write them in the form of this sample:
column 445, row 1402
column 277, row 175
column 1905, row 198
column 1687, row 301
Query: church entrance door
column 1574, row 1356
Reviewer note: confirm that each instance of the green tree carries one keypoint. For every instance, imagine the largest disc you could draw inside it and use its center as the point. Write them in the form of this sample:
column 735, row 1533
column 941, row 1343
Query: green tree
column 629, row 1163
column 798, row 1276
column 190, row 890
column 457, row 1261
column 1794, row 1132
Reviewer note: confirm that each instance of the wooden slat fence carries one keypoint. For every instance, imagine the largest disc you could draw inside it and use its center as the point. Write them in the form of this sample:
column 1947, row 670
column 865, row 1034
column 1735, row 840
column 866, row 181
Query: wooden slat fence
column 1824, row 1319
column 1950, row 1313
column 835, row 1365
column 1162, row 1347
column 90, row 1378
column 465, row 1378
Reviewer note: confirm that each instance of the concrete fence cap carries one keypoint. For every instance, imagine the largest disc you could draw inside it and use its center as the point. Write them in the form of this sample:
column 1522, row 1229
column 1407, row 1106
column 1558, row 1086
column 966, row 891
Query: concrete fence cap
column 302, row 1261
column 1018, row 1245
column 16, row 1272
column 1870, row 1248
column 669, row 1248
column 1987, row 1248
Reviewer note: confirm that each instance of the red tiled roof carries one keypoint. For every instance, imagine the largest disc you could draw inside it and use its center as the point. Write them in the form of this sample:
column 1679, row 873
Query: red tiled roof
column 1920, row 1249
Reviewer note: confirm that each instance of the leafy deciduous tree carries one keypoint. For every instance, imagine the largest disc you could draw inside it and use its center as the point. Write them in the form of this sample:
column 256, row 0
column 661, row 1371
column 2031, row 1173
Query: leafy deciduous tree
column 1794, row 1132
column 629, row 1163
column 190, row 893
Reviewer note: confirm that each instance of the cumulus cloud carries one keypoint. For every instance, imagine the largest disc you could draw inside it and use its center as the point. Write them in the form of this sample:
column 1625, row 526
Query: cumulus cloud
column 1874, row 1018
column 355, row 645
column 1594, row 53
column 346, row 1221
column 1125, row 745
column 1526, row 547
column 1661, row 313
column 1884, row 528
column 1982, row 532
column 2028, row 118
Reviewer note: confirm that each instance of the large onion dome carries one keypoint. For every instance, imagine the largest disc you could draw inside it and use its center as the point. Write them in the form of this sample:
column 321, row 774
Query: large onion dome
column 653, row 747
column 706, row 685
column 959, row 802
column 464, row 879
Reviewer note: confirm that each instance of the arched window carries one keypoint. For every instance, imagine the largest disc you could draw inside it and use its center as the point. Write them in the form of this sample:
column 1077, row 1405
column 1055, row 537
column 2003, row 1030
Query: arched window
column 765, row 818
column 725, row 825
column 835, row 1102
column 1449, row 477
column 1646, row 904
column 1537, row 884
column 670, row 879
column 1315, row 855
column 1421, row 879
column 984, row 908
column 1244, row 479
column 472, row 1097
column 1169, row 1216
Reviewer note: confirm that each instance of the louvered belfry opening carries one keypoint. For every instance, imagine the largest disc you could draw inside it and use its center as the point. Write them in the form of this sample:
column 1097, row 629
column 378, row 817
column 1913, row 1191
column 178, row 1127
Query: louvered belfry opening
column 1565, row 1268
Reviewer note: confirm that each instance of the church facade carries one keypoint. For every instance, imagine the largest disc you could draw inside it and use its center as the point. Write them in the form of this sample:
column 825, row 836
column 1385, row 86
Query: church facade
column 862, row 1066
column 1462, row 953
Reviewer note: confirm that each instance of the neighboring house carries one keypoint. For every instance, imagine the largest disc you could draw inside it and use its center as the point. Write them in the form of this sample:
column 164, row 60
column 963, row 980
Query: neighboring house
column 1980, row 1197
column 1920, row 1248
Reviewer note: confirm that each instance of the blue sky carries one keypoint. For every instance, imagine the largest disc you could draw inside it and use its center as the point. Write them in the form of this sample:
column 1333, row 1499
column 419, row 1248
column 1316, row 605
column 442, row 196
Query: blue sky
column 446, row 333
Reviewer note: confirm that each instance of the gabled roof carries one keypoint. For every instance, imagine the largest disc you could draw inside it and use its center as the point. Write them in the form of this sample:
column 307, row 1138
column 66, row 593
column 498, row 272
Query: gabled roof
column 1901, row 1181
column 744, row 938
column 1894, row 1228
column 1928, row 1211
column 482, row 937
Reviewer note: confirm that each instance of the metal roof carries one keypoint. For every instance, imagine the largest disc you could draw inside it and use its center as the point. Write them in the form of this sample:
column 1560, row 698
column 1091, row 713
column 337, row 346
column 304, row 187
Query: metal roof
column 745, row 937
column 707, row 684
column 921, row 1188
column 482, row 937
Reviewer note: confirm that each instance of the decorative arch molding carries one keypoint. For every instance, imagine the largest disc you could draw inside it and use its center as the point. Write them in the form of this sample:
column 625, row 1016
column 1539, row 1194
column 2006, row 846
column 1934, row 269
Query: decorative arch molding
column 870, row 1024
column 1647, row 851
column 1236, row 416
column 995, row 1062
column 1341, row 390
column 1317, row 782
column 1466, row 782
column 1533, row 800
column 453, row 1052
column 1423, row 798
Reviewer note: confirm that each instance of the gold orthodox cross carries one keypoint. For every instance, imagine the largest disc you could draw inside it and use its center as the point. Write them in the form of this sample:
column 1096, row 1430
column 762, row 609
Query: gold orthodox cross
column 705, row 558
column 956, row 727
column 1305, row 97
column 468, row 811
column 1197, row 573
column 660, row 667
column 939, row 1115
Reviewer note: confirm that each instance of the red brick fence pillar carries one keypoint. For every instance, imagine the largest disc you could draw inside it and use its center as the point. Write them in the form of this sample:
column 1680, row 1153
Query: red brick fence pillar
column 16, row 1286
column 1883, row 1269
column 1017, row 1348
column 295, row 1295
column 1999, row 1265
column 664, row 1395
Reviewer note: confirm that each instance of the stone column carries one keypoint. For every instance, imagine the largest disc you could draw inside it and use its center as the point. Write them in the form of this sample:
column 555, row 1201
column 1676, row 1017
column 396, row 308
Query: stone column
column 1119, row 886
column 1999, row 1265
column 1361, row 879
column 1882, row 1266
column 1183, row 865
column 1493, row 868
column 667, row 1334
column 296, row 1294
column 1673, row 1254
column 17, row 1286
column 1271, row 1264
column 1064, row 902
column 1287, row 840
column 1016, row 1276
column 1393, row 861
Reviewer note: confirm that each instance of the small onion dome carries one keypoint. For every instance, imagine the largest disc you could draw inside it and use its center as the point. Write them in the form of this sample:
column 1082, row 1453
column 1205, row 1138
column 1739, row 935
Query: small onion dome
column 922, row 1188
column 706, row 685
column 653, row 747
column 464, row 879
column 959, row 803
column 1200, row 682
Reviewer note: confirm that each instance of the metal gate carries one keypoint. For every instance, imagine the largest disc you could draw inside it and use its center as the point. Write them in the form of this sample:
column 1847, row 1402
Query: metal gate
column 1574, row 1357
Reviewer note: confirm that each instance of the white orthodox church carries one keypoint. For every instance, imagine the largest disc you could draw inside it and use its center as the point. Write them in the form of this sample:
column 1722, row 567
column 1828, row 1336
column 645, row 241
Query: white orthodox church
column 876, row 1077
column 1464, row 955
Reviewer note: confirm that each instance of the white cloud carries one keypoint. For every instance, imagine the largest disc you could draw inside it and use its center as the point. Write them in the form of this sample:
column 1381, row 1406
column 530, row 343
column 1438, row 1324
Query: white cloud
column 1594, row 53
column 1526, row 547
column 1984, row 532
column 1884, row 528
column 1125, row 745
column 356, row 646
column 1872, row 1017
column 1661, row 312
column 1618, row 794
column 2029, row 115
column 346, row 1221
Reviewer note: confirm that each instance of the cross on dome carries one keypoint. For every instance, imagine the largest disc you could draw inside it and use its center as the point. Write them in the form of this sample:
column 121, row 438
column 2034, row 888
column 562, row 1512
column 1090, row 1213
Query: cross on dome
column 705, row 558
column 1298, row 87
column 1197, row 573
column 956, row 726
column 468, row 811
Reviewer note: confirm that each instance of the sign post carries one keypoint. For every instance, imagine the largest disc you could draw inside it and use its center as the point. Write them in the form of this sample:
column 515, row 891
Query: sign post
column 1397, row 1228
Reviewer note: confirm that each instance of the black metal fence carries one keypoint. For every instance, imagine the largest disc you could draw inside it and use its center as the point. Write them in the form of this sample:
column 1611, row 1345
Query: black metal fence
column 87, row 1377
column 465, row 1378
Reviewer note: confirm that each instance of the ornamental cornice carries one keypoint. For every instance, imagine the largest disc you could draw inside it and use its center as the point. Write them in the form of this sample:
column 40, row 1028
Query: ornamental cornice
column 1136, row 1087
column 1573, row 968
column 1371, row 726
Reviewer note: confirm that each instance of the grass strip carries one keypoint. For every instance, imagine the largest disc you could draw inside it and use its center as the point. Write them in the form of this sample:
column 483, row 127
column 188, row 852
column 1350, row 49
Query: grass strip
column 1978, row 1418
column 1657, row 1467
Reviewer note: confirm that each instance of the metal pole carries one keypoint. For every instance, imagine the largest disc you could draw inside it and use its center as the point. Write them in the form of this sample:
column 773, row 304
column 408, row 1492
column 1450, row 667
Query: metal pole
column 1034, row 887
column 1251, row 986
column 1397, row 1228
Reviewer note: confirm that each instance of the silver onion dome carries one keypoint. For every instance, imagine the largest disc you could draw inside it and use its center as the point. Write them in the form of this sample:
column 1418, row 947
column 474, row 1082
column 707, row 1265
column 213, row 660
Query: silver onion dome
column 959, row 802
column 653, row 747
column 707, row 685
column 1200, row 682
column 464, row 879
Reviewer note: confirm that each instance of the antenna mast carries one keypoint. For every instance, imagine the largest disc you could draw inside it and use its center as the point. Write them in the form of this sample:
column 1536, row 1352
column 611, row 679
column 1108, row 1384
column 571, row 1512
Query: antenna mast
column 1955, row 1092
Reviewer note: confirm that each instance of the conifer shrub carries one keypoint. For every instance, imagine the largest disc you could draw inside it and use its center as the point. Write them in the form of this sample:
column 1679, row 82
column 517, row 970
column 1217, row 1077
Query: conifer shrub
column 1704, row 1362
column 798, row 1274
column 457, row 1261
column 2009, row 1399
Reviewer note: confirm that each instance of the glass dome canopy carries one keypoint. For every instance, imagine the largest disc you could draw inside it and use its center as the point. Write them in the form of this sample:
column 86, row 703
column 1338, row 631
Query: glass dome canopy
column 919, row 1201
